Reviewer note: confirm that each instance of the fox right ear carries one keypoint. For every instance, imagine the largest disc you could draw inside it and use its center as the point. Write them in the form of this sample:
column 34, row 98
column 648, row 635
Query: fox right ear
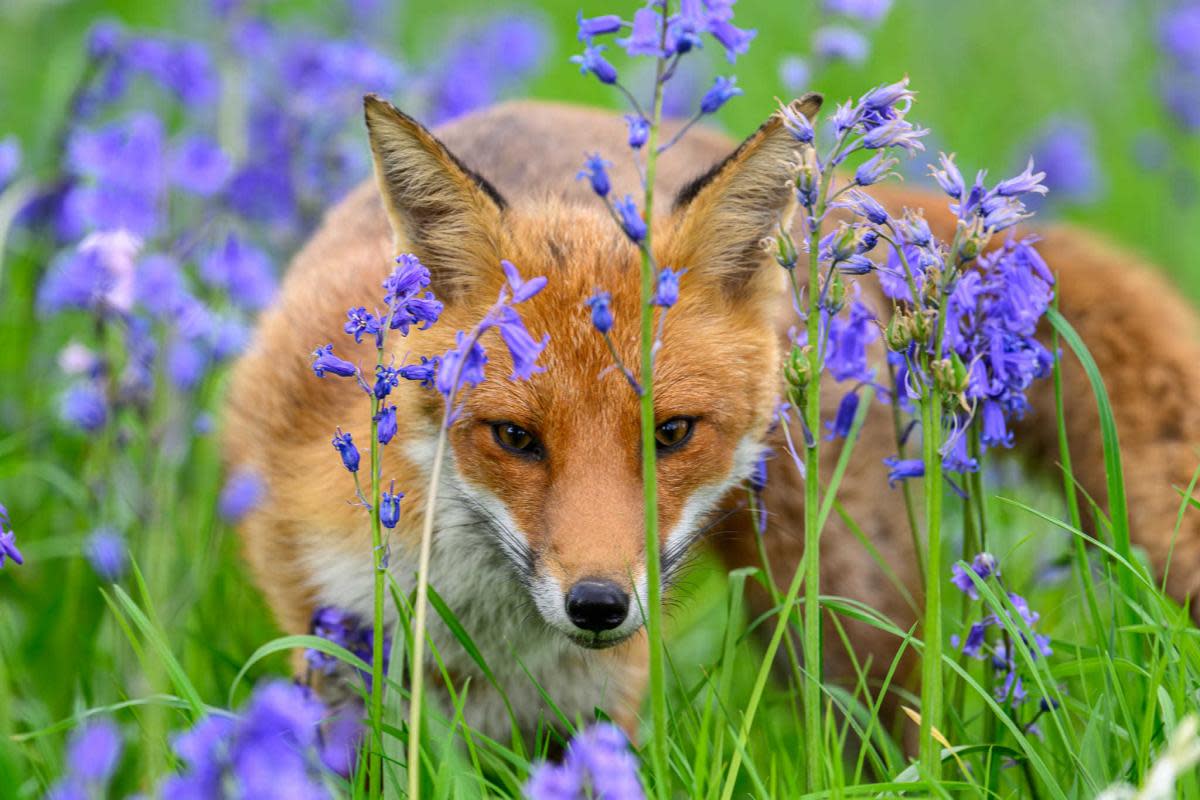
column 723, row 216
column 439, row 209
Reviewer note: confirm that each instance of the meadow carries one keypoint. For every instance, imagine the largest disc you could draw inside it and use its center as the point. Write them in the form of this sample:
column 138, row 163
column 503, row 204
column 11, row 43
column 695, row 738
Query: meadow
column 133, row 605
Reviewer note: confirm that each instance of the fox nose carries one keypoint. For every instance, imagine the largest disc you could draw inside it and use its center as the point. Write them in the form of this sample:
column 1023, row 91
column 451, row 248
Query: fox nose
column 597, row 605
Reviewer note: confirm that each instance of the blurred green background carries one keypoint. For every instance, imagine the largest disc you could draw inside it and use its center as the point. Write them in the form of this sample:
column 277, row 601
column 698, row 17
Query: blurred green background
column 989, row 73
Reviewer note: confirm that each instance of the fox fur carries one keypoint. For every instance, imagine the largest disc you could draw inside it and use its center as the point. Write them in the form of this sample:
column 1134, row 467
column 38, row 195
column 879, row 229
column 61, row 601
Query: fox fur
column 513, row 535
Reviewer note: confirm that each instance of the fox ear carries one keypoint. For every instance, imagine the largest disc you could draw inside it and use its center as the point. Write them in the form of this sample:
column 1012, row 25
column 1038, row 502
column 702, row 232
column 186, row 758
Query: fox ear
column 439, row 209
column 722, row 217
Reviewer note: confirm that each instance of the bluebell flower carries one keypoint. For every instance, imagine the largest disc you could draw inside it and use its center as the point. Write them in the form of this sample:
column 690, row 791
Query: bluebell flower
column 404, row 298
column 462, row 365
column 523, row 348
column 868, row 11
column 344, row 444
column 666, row 292
column 93, row 753
column 85, row 407
column 598, row 763
column 794, row 74
column 389, row 507
column 645, row 38
column 8, row 540
column 521, row 289
column 97, row 275
column 1027, row 182
column 592, row 60
column 186, row 364
column 325, row 361
column 242, row 270
column 594, row 169
column 1179, row 35
column 104, row 38
column 227, row 337
column 976, row 637
column 839, row 427
column 723, row 90
column 984, row 565
column 848, row 341
column 425, row 372
column 1065, row 151
column 359, row 321
column 198, row 165
column 639, row 131
column 839, row 43
column 601, row 305
column 243, row 492
column 591, row 27
column 386, row 419
column 159, row 285
column 10, row 159
column 797, row 124
column 108, row 554
column 948, row 177
column 864, row 206
column 895, row 132
column 874, row 169
column 386, row 379
column 995, row 431
column 735, row 40
column 900, row 469
column 347, row 630
column 630, row 218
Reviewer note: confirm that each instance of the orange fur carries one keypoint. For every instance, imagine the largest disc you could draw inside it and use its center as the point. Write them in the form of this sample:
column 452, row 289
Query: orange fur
column 577, row 513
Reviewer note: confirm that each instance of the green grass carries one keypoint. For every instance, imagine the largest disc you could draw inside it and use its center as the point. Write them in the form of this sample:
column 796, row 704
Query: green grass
column 194, row 634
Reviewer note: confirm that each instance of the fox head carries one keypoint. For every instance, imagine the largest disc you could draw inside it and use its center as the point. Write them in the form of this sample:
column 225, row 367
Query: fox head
column 553, row 464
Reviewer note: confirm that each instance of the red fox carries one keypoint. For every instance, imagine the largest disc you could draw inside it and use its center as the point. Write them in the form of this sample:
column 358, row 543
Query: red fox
column 538, row 544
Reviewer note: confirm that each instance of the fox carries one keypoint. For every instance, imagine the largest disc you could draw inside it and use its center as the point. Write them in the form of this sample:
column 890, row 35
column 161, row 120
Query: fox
column 539, row 545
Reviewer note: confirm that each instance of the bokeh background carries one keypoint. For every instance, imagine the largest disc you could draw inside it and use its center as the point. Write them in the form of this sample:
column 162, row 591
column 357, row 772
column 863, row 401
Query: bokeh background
column 995, row 76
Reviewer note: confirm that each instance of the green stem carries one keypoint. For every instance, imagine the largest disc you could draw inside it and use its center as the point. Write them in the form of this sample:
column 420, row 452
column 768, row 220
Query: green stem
column 931, row 660
column 910, row 510
column 813, row 656
column 377, row 677
column 654, row 633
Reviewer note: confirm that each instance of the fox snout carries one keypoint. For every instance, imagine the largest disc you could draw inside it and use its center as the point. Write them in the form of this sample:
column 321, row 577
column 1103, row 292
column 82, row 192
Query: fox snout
column 597, row 605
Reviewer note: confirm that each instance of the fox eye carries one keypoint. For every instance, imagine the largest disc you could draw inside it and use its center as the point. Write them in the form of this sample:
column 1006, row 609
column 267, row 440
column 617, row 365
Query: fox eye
column 517, row 440
column 674, row 433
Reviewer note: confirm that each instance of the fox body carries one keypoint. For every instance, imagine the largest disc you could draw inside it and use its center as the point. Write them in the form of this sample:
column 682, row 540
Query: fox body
column 538, row 549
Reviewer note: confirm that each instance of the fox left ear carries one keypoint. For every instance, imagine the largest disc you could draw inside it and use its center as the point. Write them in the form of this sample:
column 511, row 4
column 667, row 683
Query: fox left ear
column 722, row 217
column 440, row 210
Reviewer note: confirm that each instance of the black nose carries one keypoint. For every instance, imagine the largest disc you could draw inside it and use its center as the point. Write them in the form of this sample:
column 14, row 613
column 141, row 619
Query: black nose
column 596, row 605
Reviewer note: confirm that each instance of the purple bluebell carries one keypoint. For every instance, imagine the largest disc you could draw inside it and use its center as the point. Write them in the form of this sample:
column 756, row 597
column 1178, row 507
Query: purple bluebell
column 723, row 90
column 848, row 341
column 360, row 322
column 120, row 178
column 186, row 364
column 839, row 43
column 598, row 763
column 984, row 565
column 839, row 427
column 386, row 420
column 595, row 170
column 639, row 131
column 8, row 540
column 864, row 206
column 159, row 285
column 1064, row 148
column 1028, row 181
column 794, row 74
column 874, row 169
column 98, row 275
column 84, row 406
column 797, row 124
column 244, row 491
column 104, row 38
column 1181, row 96
column 868, row 11
column 601, row 305
column 896, row 132
column 590, row 27
column 462, row 365
column 407, row 304
column 184, row 68
column 198, row 165
column 93, row 754
column 948, row 176
column 10, row 159
column 900, row 469
column 389, row 507
column 425, row 372
column 645, row 37
column 631, row 219
column 666, row 291
column 592, row 60
column 227, row 337
column 521, row 289
column 735, row 40
column 523, row 348
column 325, row 361
column 344, row 444
column 386, row 378
column 242, row 270
column 1179, row 35
column 108, row 553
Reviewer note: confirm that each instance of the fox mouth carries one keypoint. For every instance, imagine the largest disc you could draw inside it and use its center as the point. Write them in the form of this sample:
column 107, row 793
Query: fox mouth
column 596, row 642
